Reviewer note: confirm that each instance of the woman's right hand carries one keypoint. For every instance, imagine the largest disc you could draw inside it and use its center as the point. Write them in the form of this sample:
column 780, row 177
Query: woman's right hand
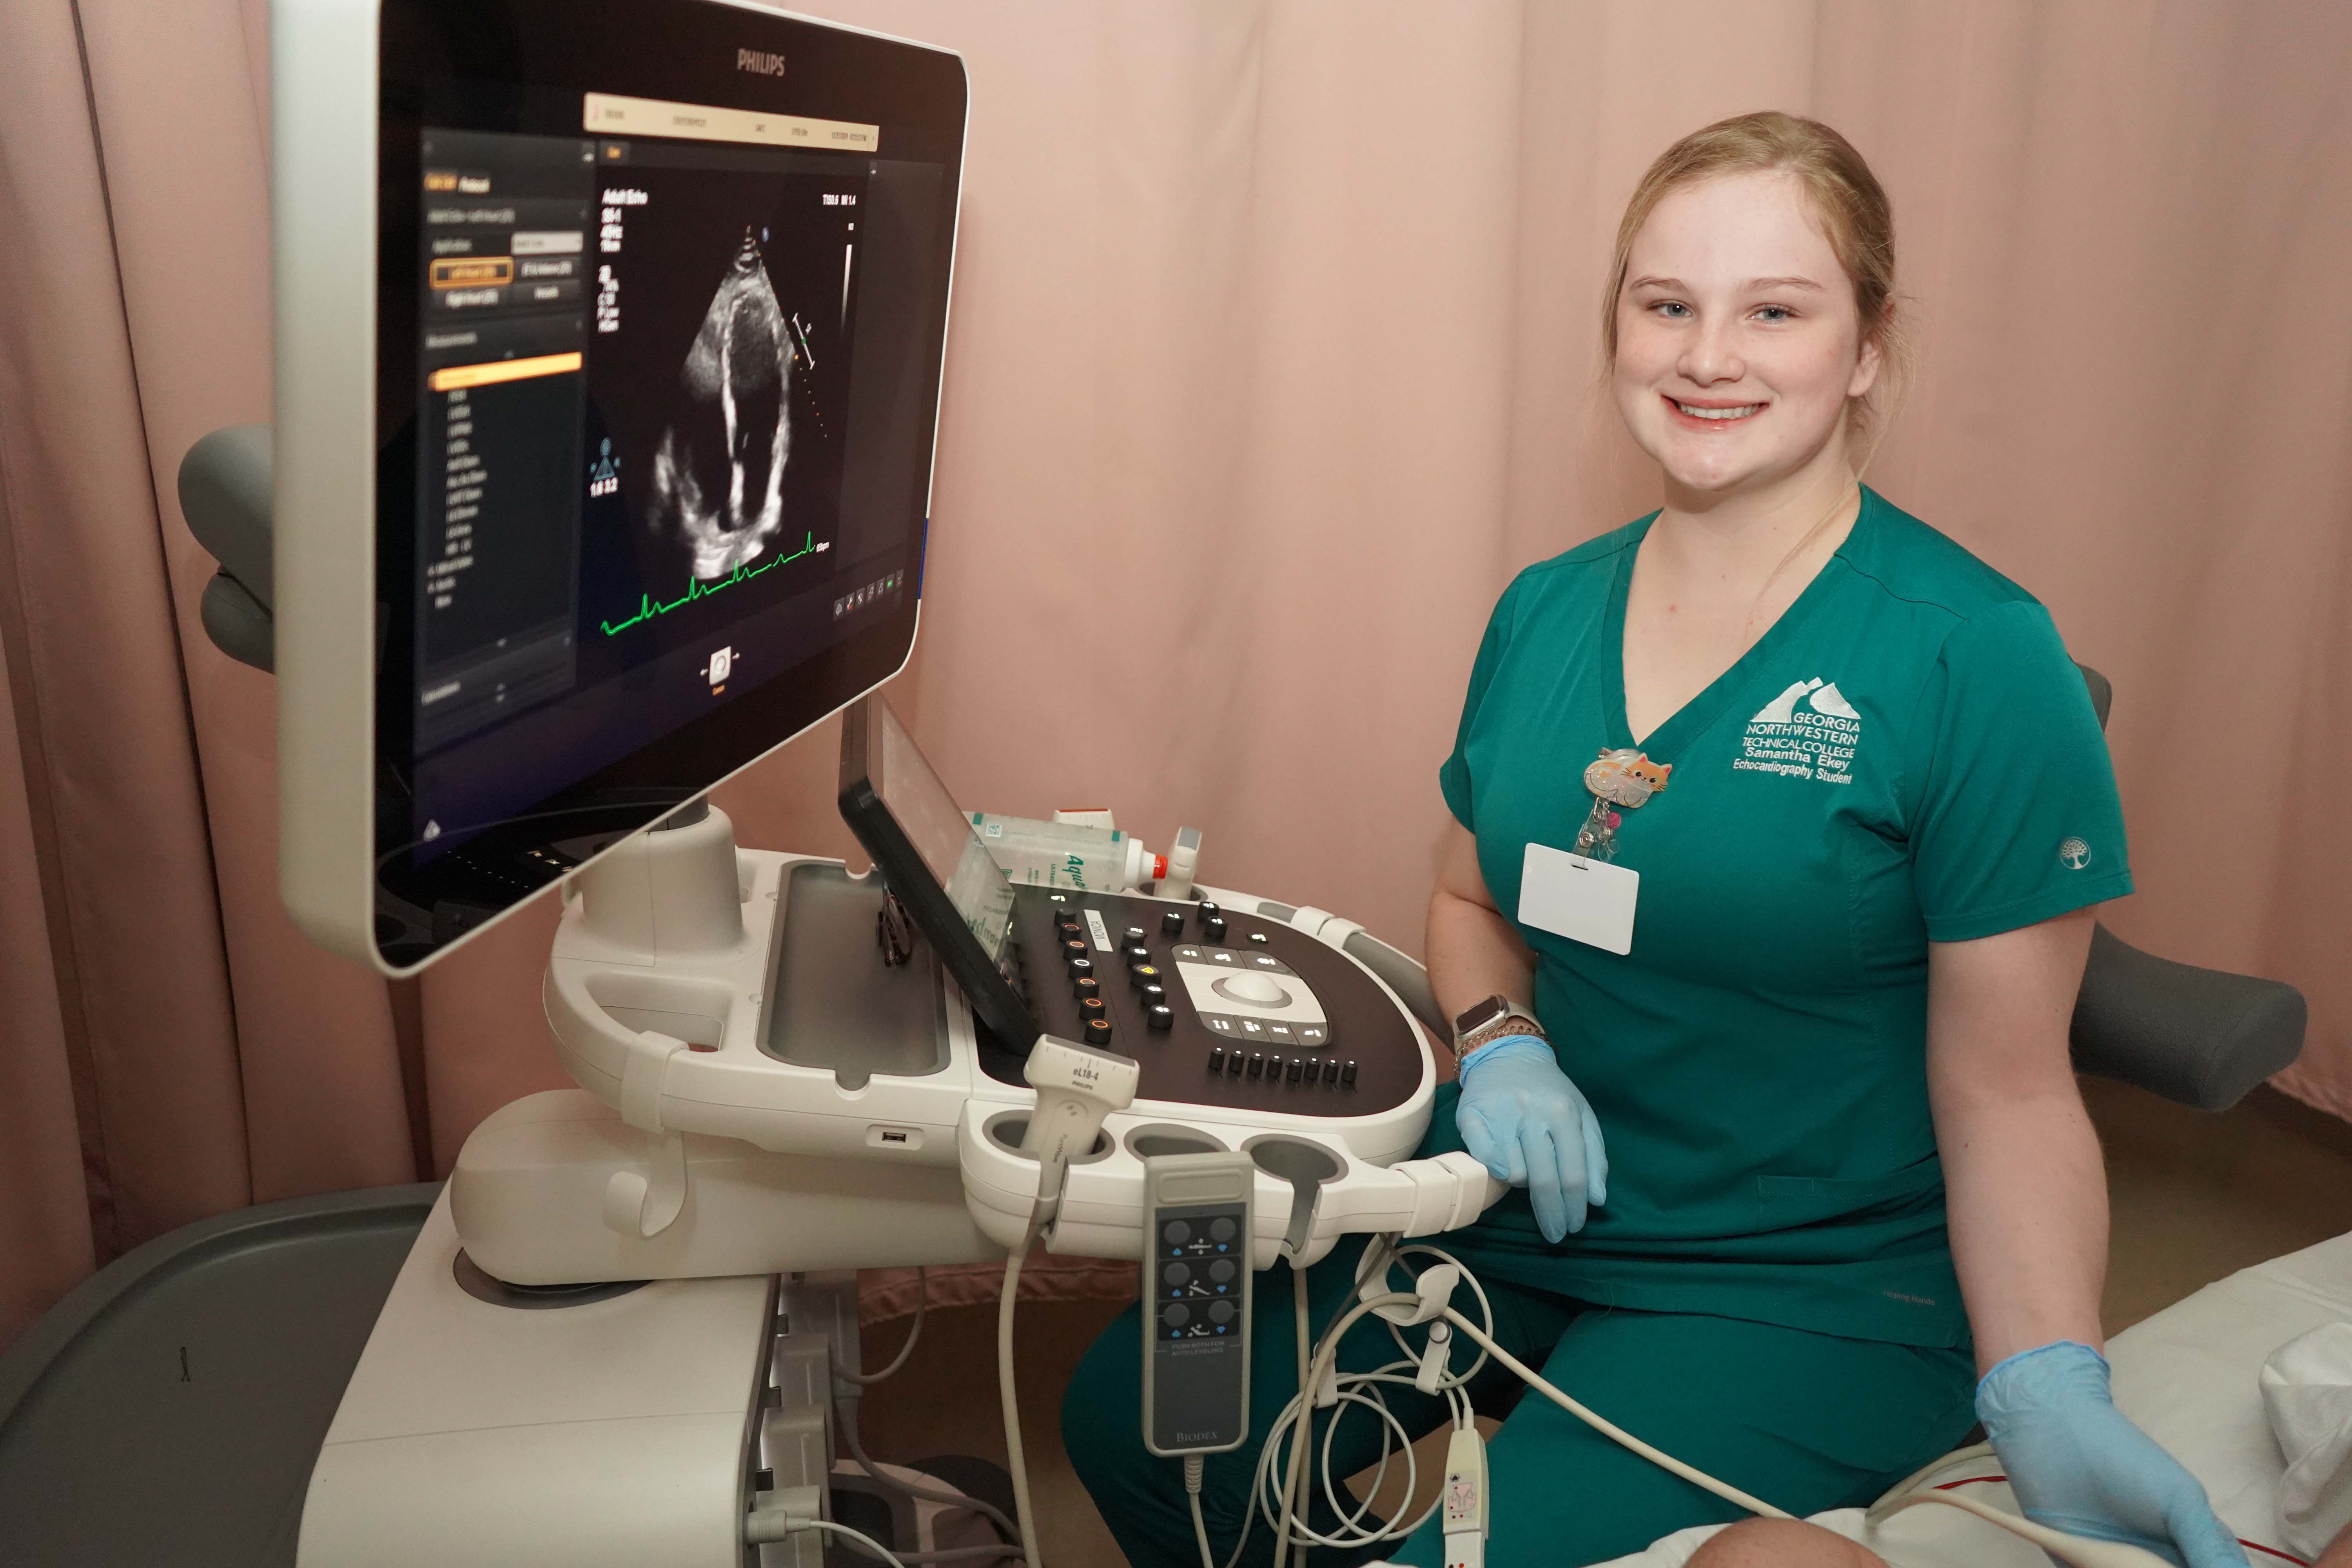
column 1521, row 1118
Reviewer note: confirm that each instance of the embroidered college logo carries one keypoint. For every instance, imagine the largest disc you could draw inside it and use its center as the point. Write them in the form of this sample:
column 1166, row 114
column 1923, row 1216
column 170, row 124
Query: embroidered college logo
column 1809, row 732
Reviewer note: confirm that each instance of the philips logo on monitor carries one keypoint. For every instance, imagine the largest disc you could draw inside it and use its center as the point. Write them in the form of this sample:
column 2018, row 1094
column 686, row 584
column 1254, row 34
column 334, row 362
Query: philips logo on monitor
column 758, row 61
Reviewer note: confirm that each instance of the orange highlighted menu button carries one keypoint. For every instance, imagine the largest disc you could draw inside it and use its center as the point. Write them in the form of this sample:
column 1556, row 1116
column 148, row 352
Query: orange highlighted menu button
column 458, row 376
column 472, row 272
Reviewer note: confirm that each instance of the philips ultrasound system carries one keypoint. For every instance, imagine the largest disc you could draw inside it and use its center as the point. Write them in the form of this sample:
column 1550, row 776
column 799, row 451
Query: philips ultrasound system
column 609, row 338
column 609, row 345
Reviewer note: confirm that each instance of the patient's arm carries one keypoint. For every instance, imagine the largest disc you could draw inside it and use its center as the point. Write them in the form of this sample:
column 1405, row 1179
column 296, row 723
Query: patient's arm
column 2339, row 1550
column 1783, row 1544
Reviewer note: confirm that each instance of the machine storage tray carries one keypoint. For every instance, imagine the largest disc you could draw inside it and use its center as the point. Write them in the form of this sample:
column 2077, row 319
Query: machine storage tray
column 170, row 1408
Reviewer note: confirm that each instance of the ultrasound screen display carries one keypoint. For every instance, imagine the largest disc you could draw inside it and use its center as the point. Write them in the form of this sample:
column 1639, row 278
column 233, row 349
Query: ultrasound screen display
column 670, row 370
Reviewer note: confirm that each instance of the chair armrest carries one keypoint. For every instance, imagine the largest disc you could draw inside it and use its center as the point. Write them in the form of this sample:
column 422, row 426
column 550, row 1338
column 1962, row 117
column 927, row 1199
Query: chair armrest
column 2196, row 1036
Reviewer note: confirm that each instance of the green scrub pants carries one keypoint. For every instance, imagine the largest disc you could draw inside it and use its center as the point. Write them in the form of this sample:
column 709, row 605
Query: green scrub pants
column 1805, row 1421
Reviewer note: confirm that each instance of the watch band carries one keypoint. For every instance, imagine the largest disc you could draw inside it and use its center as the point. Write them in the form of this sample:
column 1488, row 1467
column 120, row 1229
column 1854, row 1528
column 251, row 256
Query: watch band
column 1503, row 1016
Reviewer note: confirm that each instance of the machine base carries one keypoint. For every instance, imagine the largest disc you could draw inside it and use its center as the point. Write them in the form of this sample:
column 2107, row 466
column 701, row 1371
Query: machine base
column 532, row 1190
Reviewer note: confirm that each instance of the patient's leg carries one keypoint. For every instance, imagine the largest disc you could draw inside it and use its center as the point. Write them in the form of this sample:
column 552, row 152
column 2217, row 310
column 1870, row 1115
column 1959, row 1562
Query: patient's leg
column 1783, row 1544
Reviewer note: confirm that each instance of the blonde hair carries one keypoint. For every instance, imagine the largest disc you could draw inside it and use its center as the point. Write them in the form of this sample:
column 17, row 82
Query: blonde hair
column 1846, row 198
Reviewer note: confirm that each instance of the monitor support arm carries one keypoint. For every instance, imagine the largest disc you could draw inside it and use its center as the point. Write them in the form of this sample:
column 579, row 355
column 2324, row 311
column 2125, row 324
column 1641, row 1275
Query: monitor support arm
column 225, row 494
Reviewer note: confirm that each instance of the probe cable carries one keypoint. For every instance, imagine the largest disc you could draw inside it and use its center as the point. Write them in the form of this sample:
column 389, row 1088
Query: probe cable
column 845, row 1413
column 1285, row 1510
column 1004, row 1389
column 914, row 1336
column 1295, row 1423
column 1193, row 1494
column 846, row 1420
column 1608, row 1428
column 1306, row 1402
column 772, row 1526
column 1353, row 1530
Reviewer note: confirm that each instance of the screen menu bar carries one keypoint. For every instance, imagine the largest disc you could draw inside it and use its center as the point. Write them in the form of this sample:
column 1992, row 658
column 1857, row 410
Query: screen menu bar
column 503, row 327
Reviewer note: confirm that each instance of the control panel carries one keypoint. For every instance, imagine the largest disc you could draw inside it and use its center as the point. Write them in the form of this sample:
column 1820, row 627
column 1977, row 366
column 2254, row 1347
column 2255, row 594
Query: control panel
column 1196, row 1300
column 1220, row 1008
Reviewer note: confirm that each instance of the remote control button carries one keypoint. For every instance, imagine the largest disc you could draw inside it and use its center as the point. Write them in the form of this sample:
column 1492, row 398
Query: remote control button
column 1074, row 948
column 1282, row 1033
column 1260, row 938
column 1315, row 1037
column 1176, row 1233
column 1154, row 995
column 1256, row 1063
column 1348, row 1074
column 1330, row 1070
column 1213, row 929
column 1218, row 1022
column 1297, row 1065
column 1223, row 1271
column 1217, row 1059
column 1209, row 912
column 1133, row 934
column 1081, row 968
column 1175, row 1314
column 1135, row 953
column 1161, row 1017
column 1086, row 985
column 1221, row 1229
column 1091, row 1009
column 1143, row 975
column 1172, row 923
column 1183, row 951
column 1223, row 1313
column 1098, row 1031
column 1176, row 1274
column 1273, row 1068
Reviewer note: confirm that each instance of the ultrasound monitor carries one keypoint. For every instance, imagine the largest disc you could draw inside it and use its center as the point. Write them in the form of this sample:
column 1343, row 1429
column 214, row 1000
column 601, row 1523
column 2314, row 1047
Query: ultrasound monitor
column 609, row 342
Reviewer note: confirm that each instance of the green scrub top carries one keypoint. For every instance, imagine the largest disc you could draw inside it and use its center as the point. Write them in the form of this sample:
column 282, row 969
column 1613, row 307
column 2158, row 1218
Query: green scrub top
column 1906, row 756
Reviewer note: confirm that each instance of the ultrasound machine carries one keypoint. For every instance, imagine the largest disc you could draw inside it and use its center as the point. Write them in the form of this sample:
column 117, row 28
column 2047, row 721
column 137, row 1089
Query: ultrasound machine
column 609, row 342
column 609, row 339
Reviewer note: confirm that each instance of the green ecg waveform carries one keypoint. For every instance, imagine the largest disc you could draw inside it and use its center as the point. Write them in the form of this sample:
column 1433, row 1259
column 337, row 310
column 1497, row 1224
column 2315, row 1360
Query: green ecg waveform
column 647, row 608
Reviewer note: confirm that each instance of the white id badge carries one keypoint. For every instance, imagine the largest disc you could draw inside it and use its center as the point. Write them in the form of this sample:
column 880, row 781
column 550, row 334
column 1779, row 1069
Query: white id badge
column 1591, row 902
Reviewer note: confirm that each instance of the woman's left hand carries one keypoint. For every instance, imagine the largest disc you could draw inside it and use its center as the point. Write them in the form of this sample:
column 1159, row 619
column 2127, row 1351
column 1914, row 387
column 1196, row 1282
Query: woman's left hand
column 2077, row 1464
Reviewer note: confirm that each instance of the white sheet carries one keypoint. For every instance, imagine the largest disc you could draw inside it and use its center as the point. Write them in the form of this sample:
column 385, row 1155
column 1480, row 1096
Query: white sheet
column 2188, row 1375
column 2307, row 1395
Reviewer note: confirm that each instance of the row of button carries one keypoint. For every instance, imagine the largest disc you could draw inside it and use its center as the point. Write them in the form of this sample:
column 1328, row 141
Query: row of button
column 1281, row 1069
column 1277, row 1031
column 1179, row 1321
column 1180, row 1280
column 1171, row 922
column 1187, row 954
column 1180, row 1238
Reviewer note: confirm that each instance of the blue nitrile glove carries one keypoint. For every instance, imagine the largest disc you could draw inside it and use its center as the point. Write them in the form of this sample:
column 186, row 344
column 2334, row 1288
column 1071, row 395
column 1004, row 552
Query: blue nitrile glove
column 2076, row 1464
column 1521, row 1119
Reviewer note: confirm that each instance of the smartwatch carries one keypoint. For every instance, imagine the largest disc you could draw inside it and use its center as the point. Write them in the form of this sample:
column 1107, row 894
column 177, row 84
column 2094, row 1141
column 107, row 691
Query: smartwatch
column 1491, row 1020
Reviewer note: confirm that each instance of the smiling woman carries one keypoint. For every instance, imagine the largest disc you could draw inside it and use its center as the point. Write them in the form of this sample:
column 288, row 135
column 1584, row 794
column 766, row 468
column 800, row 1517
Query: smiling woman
column 1844, row 205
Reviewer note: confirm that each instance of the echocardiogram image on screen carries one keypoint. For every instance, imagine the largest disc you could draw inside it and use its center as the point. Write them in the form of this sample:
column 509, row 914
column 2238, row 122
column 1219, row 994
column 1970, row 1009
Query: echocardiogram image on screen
column 659, row 348
column 723, row 333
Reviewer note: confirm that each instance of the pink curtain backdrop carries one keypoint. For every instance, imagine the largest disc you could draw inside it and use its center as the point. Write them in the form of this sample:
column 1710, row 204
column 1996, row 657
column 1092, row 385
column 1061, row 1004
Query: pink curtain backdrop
column 1270, row 365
